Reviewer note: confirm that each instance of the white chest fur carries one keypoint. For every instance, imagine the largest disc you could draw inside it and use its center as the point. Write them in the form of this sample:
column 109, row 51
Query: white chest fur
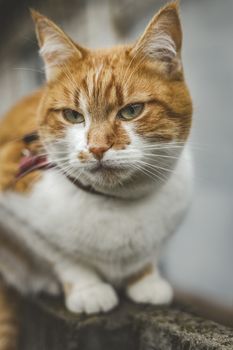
column 58, row 220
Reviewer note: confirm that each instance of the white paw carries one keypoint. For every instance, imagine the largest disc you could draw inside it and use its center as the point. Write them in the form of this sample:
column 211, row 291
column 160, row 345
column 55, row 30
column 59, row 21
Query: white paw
column 100, row 297
column 152, row 289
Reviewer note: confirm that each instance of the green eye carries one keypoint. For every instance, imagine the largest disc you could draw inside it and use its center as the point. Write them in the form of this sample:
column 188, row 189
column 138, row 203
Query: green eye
column 72, row 116
column 131, row 111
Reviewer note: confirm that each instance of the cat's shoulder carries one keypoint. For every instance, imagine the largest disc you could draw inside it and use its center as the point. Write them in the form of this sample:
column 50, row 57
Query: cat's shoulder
column 17, row 122
column 20, row 119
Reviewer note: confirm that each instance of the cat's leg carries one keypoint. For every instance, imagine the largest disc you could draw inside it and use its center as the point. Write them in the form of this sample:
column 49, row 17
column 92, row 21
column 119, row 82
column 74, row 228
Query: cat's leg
column 22, row 270
column 84, row 290
column 149, row 288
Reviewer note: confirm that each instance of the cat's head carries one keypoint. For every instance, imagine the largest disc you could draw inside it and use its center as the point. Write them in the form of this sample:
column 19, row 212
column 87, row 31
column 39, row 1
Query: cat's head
column 112, row 115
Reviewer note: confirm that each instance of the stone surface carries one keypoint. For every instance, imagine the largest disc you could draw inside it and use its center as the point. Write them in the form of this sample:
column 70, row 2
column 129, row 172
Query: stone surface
column 48, row 326
column 200, row 256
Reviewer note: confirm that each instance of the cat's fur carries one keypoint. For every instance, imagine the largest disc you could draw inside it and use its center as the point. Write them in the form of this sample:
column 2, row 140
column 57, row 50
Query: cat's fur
column 91, row 244
column 9, row 321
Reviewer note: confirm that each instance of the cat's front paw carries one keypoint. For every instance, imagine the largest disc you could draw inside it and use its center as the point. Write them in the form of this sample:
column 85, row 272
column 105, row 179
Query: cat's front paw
column 152, row 289
column 97, row 298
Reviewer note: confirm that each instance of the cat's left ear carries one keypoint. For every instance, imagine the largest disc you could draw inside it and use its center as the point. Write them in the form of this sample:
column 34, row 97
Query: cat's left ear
column 55, row 46
column 162, row 39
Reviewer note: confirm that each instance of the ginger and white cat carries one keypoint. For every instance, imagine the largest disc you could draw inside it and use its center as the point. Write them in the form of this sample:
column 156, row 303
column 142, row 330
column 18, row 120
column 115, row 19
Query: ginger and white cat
column 115, row 122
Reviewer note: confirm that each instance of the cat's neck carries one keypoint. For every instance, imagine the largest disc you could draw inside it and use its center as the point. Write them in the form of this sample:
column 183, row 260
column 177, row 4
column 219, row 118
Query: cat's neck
column 131, row 189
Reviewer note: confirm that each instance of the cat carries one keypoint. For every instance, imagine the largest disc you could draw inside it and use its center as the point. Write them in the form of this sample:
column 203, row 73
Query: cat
column 9, row 323
column 111, row 126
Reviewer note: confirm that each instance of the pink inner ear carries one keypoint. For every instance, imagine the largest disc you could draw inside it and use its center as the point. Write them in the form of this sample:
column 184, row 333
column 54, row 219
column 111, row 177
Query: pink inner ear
column 162, row 39
column 161, row 46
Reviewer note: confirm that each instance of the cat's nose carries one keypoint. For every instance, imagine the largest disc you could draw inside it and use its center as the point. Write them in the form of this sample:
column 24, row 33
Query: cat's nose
column 98, row 151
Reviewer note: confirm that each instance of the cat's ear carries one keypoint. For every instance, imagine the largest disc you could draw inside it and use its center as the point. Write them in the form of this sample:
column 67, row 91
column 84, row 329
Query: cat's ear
column 162, row 39
column 55, row 46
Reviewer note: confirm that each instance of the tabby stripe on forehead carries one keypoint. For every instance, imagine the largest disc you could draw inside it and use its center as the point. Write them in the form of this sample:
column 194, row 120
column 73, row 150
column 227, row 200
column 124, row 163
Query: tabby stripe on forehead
column 85, row 87
column 66, row 91
column 95, row 88
column 119, row 95
column 109, row 88
column 76, row 97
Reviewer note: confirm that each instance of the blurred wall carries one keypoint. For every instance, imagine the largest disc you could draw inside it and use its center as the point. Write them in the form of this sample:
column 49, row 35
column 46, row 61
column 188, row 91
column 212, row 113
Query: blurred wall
column 199, row 258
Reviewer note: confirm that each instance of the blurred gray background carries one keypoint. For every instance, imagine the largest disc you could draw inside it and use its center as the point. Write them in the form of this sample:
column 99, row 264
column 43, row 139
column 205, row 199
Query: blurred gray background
column 199, row 258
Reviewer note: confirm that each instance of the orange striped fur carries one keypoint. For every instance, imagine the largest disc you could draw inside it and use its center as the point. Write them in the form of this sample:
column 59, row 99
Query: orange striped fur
column 9, row 326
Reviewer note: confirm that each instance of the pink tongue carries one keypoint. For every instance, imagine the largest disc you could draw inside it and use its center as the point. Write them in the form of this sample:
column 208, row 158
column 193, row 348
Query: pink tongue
column 31, row 163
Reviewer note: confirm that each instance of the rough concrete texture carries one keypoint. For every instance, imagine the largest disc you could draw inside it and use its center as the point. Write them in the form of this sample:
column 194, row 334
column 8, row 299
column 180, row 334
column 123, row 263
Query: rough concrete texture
column 130, row 327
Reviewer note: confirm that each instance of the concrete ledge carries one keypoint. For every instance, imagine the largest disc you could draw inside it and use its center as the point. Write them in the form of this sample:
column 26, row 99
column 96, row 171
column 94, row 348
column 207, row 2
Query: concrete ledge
column 47, row 325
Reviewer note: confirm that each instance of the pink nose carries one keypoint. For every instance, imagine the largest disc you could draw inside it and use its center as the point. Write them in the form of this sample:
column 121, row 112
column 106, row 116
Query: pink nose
column 98, row 151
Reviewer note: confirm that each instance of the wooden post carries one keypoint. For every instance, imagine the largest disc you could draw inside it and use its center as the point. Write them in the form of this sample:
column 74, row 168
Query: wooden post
column 47, row 325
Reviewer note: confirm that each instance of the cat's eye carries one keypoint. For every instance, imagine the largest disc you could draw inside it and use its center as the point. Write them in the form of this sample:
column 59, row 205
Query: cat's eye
column 73, row 116
column 131, row 111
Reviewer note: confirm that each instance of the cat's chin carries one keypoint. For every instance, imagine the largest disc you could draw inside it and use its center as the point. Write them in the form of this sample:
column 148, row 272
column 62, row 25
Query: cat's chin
column 104, row 174
column 102, row 168
column 107, row 176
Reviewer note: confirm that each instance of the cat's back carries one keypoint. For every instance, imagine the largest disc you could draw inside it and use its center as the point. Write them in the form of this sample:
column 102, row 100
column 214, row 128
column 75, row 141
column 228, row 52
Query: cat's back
column 20, row 119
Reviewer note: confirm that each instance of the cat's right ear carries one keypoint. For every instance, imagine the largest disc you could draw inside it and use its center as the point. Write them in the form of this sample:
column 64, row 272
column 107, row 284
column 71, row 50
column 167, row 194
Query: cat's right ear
column 55, row 46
